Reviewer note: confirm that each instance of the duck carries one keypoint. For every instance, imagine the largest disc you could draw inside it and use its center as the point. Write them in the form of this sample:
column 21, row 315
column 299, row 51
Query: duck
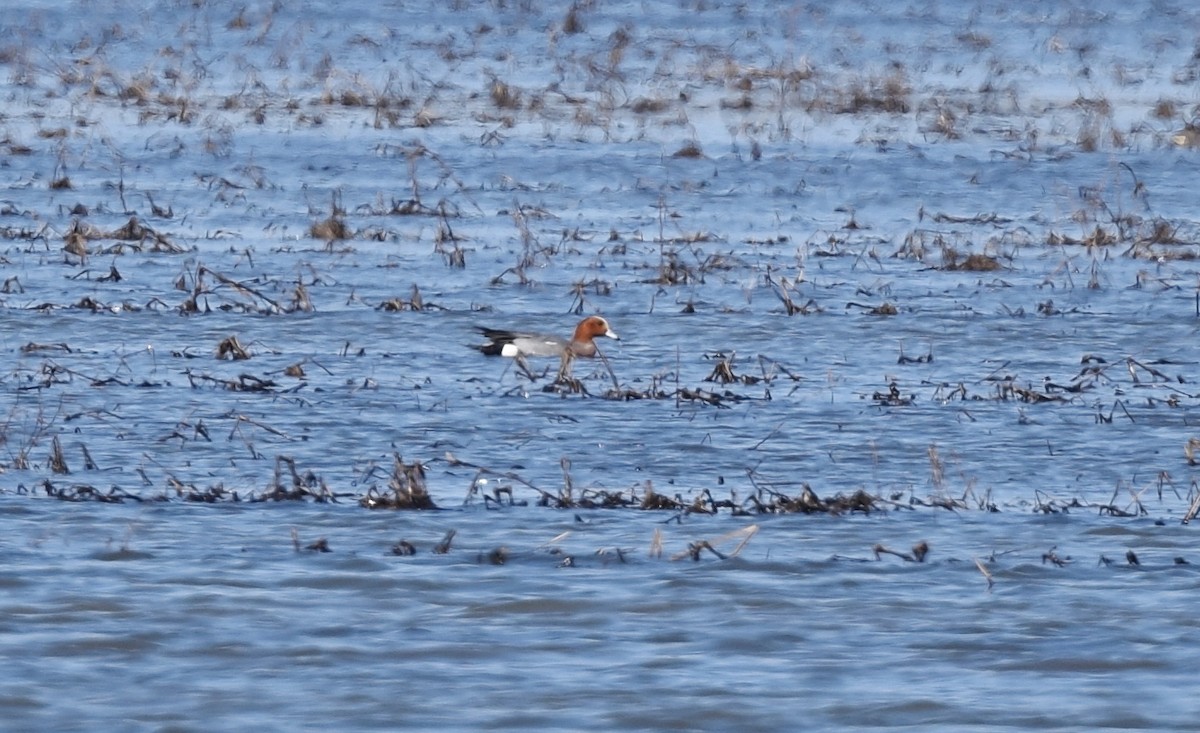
column 516, row 344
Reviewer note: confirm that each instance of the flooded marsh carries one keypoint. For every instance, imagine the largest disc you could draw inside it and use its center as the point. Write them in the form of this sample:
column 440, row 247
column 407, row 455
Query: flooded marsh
column 901, row 421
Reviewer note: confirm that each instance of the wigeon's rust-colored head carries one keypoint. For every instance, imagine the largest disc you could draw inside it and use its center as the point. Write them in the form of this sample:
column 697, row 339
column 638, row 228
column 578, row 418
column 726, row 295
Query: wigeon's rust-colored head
column 591, row 327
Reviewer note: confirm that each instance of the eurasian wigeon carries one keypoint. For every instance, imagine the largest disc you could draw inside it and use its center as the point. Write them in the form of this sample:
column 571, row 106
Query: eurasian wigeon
column 516, row 344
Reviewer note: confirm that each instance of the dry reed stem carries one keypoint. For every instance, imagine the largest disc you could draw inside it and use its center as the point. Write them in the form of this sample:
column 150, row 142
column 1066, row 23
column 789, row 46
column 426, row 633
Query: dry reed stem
column 987, row 575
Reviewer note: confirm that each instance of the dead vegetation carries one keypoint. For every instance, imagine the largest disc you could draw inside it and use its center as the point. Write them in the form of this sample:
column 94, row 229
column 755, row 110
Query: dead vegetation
column 405, row 489
column 83, row 239
column 889, row 93
column 432, row 207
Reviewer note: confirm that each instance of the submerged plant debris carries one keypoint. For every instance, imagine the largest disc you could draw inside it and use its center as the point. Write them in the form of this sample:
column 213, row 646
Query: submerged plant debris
column 253, row 277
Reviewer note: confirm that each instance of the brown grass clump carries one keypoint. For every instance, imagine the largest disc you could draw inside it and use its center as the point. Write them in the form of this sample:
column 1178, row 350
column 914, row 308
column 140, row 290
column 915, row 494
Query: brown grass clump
column 673, row 271
column 691, row 149
column 741, row 103
column 75, row 241
column 1088, row 139
column 137, row 235
column 353, row 98
column 572, row 23
column 505, row 96
column 131, row 232
column 619, row 40
column 1161, row 232
column 415, row 303
column 137, row 91
column 644, row 105
column 330, row 229
column 406, row 490
column 888, row 94
column 945, row 123
column 655, row 501
column 1099, row 237
column 767, row 501
column 231, row 348
column 971, row 263
column 1164, row 109
column 238, row 22
column 306, row 486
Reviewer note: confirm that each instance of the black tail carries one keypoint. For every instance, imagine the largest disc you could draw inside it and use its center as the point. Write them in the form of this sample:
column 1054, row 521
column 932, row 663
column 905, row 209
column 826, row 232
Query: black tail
column 496, row 340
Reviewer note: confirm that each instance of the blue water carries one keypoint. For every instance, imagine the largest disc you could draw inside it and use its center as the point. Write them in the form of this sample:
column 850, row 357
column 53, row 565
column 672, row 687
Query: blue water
column 1030, row 420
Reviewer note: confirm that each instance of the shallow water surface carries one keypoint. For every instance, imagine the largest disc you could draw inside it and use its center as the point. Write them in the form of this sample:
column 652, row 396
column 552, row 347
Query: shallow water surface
column 168, row 616
column 934, row 265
